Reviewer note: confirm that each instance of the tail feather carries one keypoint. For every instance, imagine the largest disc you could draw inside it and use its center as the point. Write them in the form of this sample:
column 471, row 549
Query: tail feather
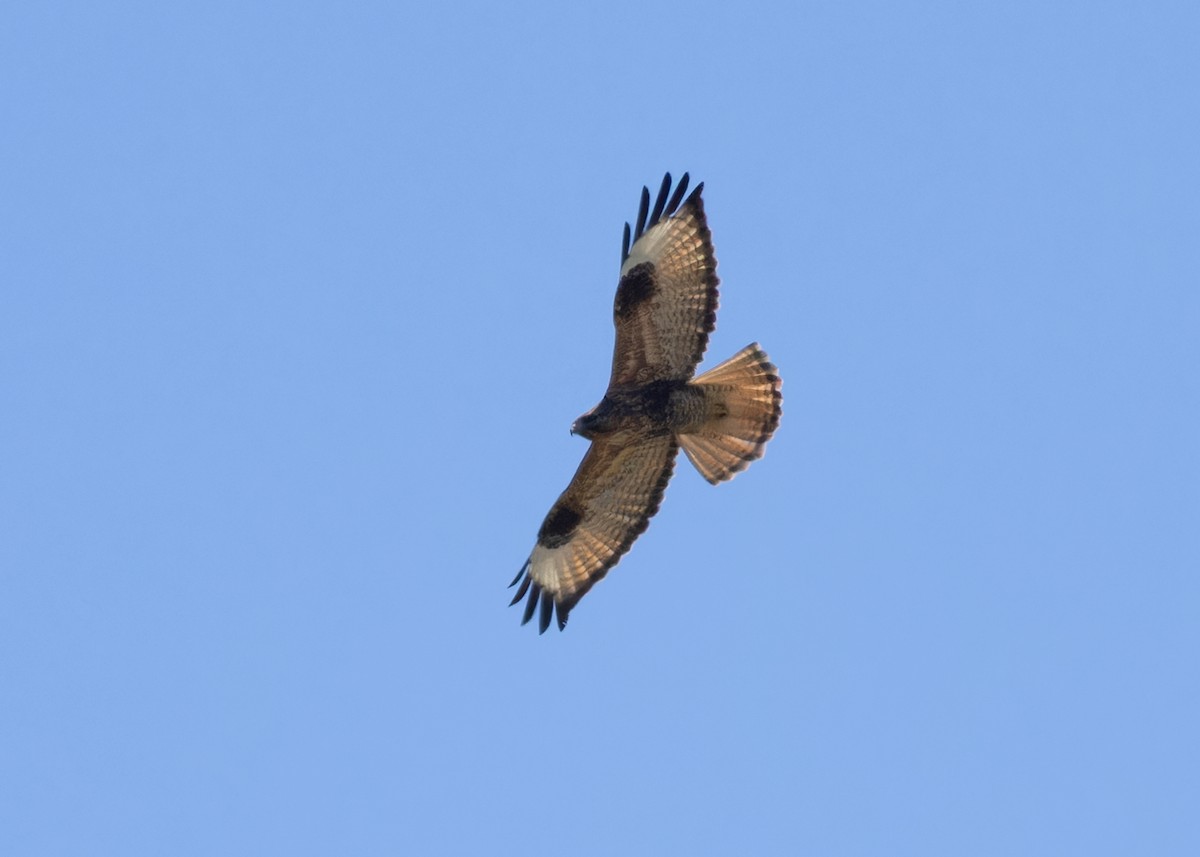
column 743, row 406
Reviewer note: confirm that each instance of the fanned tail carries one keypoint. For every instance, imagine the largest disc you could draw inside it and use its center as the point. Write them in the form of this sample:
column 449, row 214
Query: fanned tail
column 743, row 403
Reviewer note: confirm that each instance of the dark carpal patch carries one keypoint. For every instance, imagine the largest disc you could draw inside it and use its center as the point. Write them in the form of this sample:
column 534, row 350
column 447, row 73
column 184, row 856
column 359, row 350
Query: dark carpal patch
column 559, row 526
column 635, row 288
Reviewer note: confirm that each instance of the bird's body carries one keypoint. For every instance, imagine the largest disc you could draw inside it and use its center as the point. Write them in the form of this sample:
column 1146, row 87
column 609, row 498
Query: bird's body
column 660, row 407
column 664, row 309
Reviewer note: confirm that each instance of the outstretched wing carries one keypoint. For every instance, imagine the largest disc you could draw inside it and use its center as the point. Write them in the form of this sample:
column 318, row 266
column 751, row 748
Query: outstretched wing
column 608, row 504
column 666, row 301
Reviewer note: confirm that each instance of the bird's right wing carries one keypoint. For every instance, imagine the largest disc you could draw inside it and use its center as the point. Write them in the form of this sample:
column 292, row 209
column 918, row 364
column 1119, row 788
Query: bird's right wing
column 609, row 503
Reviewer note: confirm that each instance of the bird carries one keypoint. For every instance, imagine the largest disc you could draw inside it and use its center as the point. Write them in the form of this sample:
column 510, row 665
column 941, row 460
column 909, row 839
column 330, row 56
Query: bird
column 664, row 311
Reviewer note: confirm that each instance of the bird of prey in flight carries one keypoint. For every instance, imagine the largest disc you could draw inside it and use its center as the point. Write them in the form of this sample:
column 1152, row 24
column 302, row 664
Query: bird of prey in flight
column 666, row 306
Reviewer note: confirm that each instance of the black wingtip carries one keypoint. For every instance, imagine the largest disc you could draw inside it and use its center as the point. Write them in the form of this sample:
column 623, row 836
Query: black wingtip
column 537, row 596
column 665, row 205
column 677, row 197
column 521, row 592
column 531, row 604
column 643, row 211
column 661, row 201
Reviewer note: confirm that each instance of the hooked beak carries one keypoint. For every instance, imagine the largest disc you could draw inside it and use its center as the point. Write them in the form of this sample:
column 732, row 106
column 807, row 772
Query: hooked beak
column 584, row 425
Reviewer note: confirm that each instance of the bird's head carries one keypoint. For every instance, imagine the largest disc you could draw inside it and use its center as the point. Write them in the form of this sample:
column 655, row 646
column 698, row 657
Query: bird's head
column 594, row 422
column 584, row 425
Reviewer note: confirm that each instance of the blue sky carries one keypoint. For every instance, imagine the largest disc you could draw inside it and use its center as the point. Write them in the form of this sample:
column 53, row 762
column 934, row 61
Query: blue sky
column 299, row 303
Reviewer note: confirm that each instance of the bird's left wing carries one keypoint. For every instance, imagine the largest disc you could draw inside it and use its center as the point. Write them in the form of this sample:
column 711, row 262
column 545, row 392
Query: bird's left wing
column 666, row 302
column 609, row 503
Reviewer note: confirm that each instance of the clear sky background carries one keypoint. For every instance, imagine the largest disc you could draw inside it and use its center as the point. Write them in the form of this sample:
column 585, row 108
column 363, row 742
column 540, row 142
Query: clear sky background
column 299, row 302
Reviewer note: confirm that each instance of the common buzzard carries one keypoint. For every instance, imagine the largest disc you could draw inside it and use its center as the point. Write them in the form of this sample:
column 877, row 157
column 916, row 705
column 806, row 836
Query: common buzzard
column 665, row 308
